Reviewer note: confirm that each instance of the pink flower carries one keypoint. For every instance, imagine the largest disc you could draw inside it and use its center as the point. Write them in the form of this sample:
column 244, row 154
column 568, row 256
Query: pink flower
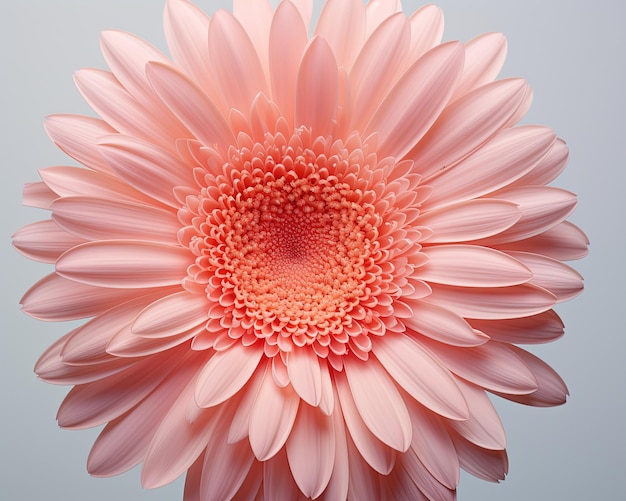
column 307, row 259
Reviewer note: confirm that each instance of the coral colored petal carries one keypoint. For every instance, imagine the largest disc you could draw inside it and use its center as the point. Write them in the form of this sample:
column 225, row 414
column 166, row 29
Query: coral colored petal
column 340, row 478
column 494, row 366
column 288, row 37
column 191, row 105
column 123, row 442
column 482, row 463
column 226, row 373
column 548, row 168
column 317, row 88
column 499, row 162
column 234, row 59
column 305, row 375
column 483, row 427
column 484, row 57
column 378, row 455
column 305, row 7
column 471, row 220
column 466, row 124
column 541, row 328
column 495, row 303
column 421, row 375
column 272, row 417
column 379, row 402
column 376, row 68
column 171, row 315
column 256, row 17
column 342, row 25
column 124, row 264
column 379, row 10
column 193, row 477
column 411, row 480
column 471, row 266
column 55, row 298
column 551, row 389
column 364, row 483
column 442, row 325
column 251, row 489
column 125, row 343
column 415, row 102
column 426, row 30
column 278, row 483
column 564, row 242
column 38, row 195
column 77, row 136
column 311, row 450
column 44, row 241
column 103, row 219
column 241, row 420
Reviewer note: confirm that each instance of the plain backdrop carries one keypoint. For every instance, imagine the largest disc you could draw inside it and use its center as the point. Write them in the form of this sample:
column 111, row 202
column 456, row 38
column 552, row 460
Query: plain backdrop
column 571, row 51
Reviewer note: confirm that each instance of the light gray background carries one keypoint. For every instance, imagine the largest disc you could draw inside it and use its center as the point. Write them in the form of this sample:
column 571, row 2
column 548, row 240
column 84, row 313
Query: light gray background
column 573, row 55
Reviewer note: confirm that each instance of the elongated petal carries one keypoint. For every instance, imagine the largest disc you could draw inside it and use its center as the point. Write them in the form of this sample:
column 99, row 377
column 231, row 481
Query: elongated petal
column 103, row 219
column 38, row 195
column 256, row 18
column 77, row 136
column 226, row 373
column 44, row 241
column 125, row 264
column 379, row 10
column 471, row 220
column 548, row 168
column 317, row 91
column 276, row 484
column 272, row 417
column 379, row 402
column 542, row 328
column 466, row 124
column 342, row 24
column 415, row 102
column 442, row 325
column 340, row 478
column 426, row 30
column 489, row 303
column 482, row 463
column 311, row 450
column 171, row 315
column 305, row 375
column 422, row 376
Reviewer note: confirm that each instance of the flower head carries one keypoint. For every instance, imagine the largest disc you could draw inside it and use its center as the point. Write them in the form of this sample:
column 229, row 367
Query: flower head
column 307, row 259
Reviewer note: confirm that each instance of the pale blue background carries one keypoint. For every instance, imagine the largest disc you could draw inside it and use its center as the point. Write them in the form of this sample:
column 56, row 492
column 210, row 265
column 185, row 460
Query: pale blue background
column 572, row 52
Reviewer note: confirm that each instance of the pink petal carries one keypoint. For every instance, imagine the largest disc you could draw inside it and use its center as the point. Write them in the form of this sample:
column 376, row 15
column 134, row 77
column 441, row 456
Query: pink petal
column 548, row 168
column 305, row 375
column 256, row 17
column 426, row 30
column 251, row 489
column 311, row 450
column 77, row 136
column 542, row 208
column 125, row 343
column 38, row 195
column 102, row 219
column 278, row 484
column 44, row 241
column 432, row 445
column 484, row 57
column 379, row 402
column 171, row 315
column 193, row 476
column 499, row 162
column 378, row 455
column 564, row 242
column 74, row 181
column 124, row 442
column 482, row 463
column 364, row 482
column 558, row 278
column 234, row 60
column 422, row 376
column 191, row 105
column 305, row 7
column 95, row 403
column 342, row 25
column 551, row 389
column 379, row 10
column 492, row 303
column 542, row 328
column 226, row 373
column 411, row 480
column 288, row 37
column 442, row 325
column 466, row 124
column 483, row 427
column 415, row 102
column 55, row 298
column 494, row 366
column 327, row 402
column 340, row 478
column 272, row 417
column 125, row 264
column 226, row 466
column 146, row 167
column 187, row 33
column 377, row 67
column 241, row 420
column 471, row 220
column 317, row 88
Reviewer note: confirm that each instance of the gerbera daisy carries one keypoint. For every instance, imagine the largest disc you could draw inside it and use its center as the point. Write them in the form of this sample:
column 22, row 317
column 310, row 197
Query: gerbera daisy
column 307, row 259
